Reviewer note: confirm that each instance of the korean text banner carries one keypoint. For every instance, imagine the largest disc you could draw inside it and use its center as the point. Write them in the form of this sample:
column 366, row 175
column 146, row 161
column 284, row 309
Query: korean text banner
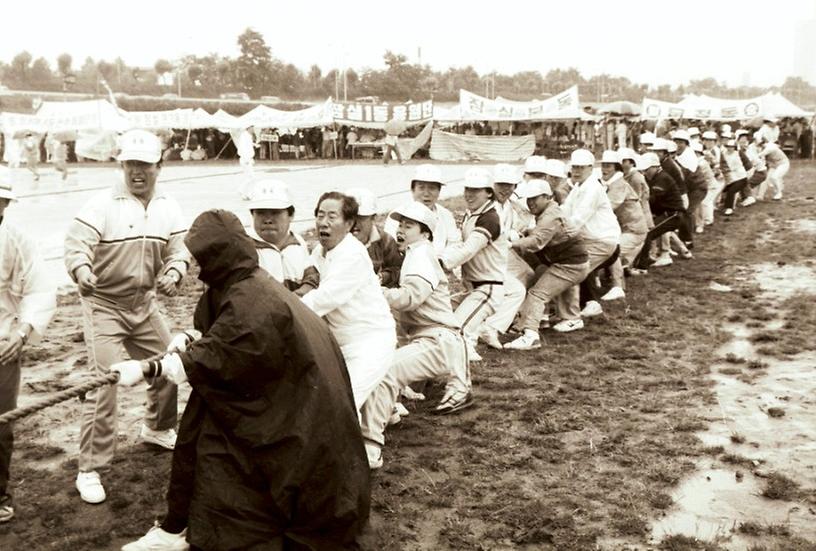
column 375, row 115
column 478, row 108
column 703, row 108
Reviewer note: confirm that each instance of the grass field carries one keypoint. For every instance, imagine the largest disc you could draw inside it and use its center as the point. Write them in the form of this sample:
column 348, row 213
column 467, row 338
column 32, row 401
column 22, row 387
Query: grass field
column 581, row 445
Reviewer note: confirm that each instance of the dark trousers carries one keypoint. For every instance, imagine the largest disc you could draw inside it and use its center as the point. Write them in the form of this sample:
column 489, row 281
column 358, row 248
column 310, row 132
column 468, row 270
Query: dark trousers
column 590, row 287
column 9, row 390
column 732, row 190
column 663, row 223
column 695, row 198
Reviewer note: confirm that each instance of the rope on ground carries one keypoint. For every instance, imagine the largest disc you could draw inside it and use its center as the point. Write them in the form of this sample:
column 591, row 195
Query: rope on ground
column 63, row 395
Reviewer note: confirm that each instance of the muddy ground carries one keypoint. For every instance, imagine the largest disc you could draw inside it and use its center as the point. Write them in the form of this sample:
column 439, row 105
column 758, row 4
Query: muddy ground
column 682, row 419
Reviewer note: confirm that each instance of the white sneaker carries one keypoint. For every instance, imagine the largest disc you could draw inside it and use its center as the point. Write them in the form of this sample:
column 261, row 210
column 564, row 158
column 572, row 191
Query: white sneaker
column 699, row 229
column 490, row 337
column 410, row 394
column 663, row 260
column 614, row 293
column 777, row 196
column 672, row 252
column 397, row 414
column 374, row 453
column 687, row 255
column 748, row 201
column 473, row 356
column 728, row 212
column 591, row 309
column 565, row 326
column 157, row 539
column 529, row 340
column 90, row 487
column 164, row 438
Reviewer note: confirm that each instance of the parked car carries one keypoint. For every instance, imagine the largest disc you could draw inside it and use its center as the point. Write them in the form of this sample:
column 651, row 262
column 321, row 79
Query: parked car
column 271, row 99
column 235, row 95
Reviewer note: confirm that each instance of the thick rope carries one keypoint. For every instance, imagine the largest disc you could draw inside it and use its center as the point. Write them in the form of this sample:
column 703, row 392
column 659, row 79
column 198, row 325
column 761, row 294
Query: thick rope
column 63, row 395
column 67, row 394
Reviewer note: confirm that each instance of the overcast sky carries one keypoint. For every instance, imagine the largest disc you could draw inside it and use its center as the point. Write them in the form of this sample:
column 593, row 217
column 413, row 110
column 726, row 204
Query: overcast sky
column 647, row 41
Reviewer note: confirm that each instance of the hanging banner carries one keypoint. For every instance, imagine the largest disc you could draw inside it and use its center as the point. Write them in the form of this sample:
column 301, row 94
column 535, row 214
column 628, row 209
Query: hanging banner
column 375, row 115
column 153, row 120
column 561, row 106
column 703, row 108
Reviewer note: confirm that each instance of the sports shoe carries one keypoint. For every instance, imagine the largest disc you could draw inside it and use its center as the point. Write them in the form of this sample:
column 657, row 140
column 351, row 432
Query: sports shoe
column 637, row 272
column 591, row 309
column 699, row 229
column 473, row 356
column 6, row 509
column 397, row 414
column 748, row 201
column 453, row 401
column 614, row 293
column 566, row 326
column 157, row 539
column 490, row 337
column 728, row 212
column 529, row 340
column 163, row 438
column 410, row 394
column 374, row 454
column 777, row 196
column 90, row 487
column 663, row 260
column 687, row 255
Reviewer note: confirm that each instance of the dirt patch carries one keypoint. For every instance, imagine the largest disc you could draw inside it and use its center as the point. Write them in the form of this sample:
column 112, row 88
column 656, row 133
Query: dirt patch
column 785, row 281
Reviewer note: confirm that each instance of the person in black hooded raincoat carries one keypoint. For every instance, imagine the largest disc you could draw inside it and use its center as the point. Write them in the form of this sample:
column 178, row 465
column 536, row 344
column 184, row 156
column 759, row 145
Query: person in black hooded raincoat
column 269, row 454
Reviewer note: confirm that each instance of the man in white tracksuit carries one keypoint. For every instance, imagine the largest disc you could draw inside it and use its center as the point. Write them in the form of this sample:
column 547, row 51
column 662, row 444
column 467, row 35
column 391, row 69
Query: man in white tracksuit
column 27, row 303
column 514, row 219
column 124, row 245
column 426, row 186
column 436, row 347
column 349, row 296
column 588, row 209
column 778, row 165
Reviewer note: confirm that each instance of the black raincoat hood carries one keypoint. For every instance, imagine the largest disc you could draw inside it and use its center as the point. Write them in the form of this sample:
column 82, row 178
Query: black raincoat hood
column 221, row 247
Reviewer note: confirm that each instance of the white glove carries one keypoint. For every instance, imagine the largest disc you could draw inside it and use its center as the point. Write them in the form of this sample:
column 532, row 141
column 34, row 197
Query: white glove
column 685, row 201
column 173, row 368
column 130, row 372
column 513, row 235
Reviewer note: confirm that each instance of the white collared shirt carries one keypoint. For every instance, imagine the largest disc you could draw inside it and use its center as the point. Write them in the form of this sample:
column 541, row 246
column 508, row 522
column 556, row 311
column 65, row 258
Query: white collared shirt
column 589, row 210
column 349, row 295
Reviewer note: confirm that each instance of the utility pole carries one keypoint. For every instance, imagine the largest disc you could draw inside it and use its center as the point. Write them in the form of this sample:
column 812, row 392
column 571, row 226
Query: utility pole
column 345, row 85
column 337, row 84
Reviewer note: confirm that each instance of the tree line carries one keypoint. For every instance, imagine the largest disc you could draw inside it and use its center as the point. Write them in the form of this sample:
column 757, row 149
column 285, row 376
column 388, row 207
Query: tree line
column 257, row 72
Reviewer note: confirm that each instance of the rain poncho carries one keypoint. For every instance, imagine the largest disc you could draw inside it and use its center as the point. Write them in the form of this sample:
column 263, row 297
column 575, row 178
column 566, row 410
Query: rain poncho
column 269, row 441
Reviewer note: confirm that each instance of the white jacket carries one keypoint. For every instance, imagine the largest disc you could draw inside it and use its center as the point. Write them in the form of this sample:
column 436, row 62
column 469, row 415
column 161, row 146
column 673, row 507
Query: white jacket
column 588, row 209
column 349, row 295
column 26, row 295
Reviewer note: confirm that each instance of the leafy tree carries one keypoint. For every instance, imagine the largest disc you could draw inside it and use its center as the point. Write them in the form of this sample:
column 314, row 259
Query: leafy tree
column 255, row 64
column 20, row 68
column 64, row 64
column 41, row 76
column 162, row 66
column 106, row 70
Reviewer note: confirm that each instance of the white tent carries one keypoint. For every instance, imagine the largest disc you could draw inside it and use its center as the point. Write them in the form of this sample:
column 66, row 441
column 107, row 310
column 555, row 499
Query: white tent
column 779, row 106
column 82, row 115
column 266, row 117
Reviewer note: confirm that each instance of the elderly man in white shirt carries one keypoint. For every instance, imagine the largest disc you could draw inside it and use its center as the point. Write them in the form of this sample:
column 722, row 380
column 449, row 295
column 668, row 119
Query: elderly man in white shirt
column 349, row 296
column 587, row 206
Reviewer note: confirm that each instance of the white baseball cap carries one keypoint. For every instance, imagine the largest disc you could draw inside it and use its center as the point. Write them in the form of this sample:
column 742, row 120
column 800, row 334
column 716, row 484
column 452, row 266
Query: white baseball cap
column 534, row 188
column 417, row 212
column 697, row 147
column 626, row 153
column 269, row 194
column 741, row 132
column 554, row 167
column 647, row 138
column 5, row 185
column 535, row 164
column 671, row 147
column 693, row 131
column 366, row 202
column 582, row 157
column 139, row 145
column 428, row 173
column 709, row 135
column 731, row 143
column 478, row 178
column 661, row 144
column 681, row 135
column 647, row 160
column 610, row 156
column 505, row 174
column 770, row 118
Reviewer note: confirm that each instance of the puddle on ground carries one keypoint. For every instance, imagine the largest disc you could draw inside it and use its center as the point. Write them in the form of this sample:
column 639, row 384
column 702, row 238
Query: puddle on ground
column 803, row 225
column 711, row 504
column 783, row 282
